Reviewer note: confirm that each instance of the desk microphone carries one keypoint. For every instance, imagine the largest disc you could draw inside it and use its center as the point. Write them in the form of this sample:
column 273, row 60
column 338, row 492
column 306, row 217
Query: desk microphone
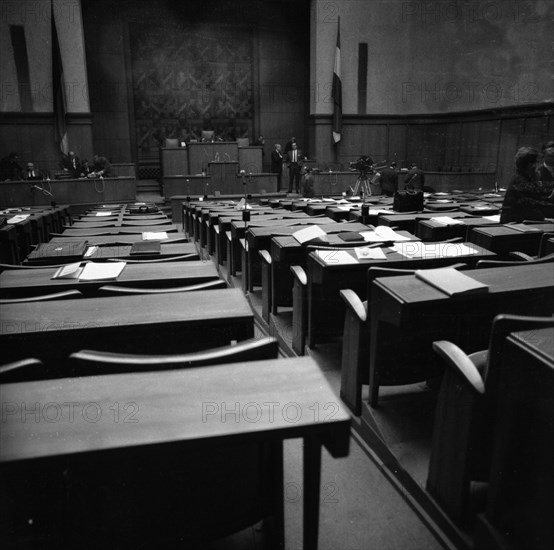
column 43, row 190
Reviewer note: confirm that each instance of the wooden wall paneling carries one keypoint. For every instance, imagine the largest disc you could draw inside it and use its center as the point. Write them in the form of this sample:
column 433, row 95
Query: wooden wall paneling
column 469, row 145
column 397, row 145
column 415, row 140
column 510, row 130
column 452, row 156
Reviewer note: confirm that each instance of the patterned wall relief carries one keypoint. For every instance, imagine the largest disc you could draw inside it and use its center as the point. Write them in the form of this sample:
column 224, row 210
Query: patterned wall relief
column 186, row 80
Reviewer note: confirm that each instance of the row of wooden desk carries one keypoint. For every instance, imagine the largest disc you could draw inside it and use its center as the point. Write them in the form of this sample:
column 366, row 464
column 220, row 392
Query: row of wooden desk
column 152, row 435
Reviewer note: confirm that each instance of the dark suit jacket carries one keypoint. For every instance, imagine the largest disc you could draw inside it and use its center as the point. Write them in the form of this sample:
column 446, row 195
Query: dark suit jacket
column 276, row 162
column 103, row 165
column 299, row 158
column 74, row 171
column 389, row 180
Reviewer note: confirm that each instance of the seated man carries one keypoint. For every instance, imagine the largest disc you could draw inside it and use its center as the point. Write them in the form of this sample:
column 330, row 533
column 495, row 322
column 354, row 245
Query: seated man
column 101, row 167
column 32, row 173
column 414, row 178
column 10, row 169
column 71, row 164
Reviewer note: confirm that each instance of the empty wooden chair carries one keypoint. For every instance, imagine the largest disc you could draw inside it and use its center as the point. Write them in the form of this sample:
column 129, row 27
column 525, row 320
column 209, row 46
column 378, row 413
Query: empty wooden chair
column 355, row 348
column 465, row 417
column 112, row 290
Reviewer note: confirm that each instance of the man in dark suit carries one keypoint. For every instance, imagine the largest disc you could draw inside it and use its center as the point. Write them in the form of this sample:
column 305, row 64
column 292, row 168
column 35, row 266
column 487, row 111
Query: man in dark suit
column 101, row 166
column 10, row 169
column 295, row 161
column 415, row 177
column 389, row 179
column 31, row 173
column 71, row 164
column 277, row 163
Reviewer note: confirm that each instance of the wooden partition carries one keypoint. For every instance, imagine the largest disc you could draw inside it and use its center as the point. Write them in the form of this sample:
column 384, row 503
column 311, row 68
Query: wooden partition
column 67, row 191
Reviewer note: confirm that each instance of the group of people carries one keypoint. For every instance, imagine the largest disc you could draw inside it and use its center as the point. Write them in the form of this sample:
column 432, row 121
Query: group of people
column 12, row 170
column 293, row 157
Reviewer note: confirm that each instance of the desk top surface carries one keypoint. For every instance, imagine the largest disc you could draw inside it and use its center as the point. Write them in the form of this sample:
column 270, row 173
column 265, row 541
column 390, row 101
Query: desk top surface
column 145, row 309
column 408, row 289
column 280, row 398
column 173, row 272
column 119, row 230
column 112, row 239
column 538, row 341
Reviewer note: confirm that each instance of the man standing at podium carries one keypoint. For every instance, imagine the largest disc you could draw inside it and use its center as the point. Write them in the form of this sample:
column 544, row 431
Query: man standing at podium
column 294, row 160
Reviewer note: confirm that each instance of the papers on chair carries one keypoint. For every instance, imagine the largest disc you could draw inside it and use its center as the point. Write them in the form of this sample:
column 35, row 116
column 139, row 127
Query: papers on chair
column 434, row 250
column 69, row 271
column 336, row 257
column 154, row 236
column 451, row 281
column 347, row 208
column 366, row 253
column 103, row 213
column 309, row 234
column 90, row 251
column 495, row 218
column 18, row 218
column 382, row 233
column 446, row 220
column 101, row 271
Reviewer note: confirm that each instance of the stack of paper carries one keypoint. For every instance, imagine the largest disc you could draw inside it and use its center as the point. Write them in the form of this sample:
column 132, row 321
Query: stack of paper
column 18, row 218
column 382, row 233
column 103, row 213
column 446, row 220
column 101, row 271
column 309, row 234
column 154, row 236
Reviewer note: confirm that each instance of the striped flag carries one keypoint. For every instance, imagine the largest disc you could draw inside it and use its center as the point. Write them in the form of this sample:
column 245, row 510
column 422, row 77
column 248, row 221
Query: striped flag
column 58, row 90
column 336, row 93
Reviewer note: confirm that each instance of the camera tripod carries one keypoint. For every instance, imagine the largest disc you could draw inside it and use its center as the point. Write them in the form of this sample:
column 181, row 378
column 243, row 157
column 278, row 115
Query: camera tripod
column 362, row 185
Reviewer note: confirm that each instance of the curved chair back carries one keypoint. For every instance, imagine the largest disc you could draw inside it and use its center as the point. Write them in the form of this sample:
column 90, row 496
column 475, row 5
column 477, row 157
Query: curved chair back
column 64, row 295
column 21, row 371
column 112, row 290
column 87, row 362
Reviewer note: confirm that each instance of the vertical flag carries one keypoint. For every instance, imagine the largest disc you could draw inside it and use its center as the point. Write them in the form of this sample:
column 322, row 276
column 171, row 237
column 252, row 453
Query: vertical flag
column 58, row 90
column 336, row 93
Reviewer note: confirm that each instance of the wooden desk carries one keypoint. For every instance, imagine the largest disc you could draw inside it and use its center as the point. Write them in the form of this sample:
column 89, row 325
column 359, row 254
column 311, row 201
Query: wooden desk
column 325, row 280
column 408, row 221
column 410, row 304
column 161, row 323
column 179, row 413
column 120, row 251
column 287, row 251
column 430, row 230
column 200, row 154
column 114, row 239
column 29, row 282
column 127, row 230
column 503, row 239
column 68, row 191
column 520, row 504
column 174, row 161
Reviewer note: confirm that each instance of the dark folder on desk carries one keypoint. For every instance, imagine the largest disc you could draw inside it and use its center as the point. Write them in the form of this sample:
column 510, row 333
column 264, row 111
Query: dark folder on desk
column 63, row 252
column 146, row 247
column 350, row 236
